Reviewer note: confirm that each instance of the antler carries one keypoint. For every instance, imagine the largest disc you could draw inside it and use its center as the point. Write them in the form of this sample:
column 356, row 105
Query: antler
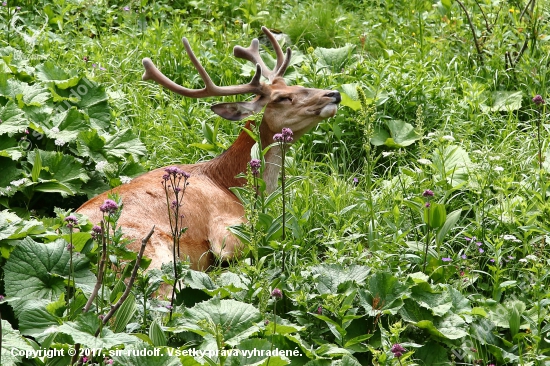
column 210, row 89
column 252, row 54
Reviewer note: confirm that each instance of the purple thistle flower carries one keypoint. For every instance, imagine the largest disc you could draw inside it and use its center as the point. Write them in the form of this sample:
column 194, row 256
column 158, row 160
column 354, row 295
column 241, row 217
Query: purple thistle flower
column 277, row 293
column 320, row 310
column 109, row 207
column 537, row 99
column 446, row 259
column 71, row 221
column 398, row 350
column 428, row 193
column 427, row 204
column 255, row 165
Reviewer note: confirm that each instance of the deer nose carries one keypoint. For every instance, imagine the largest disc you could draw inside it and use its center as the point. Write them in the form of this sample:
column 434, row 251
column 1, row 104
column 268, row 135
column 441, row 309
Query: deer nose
column 334, row 94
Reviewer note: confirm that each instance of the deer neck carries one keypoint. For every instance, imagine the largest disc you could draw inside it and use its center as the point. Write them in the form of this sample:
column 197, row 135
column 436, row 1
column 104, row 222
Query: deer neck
column 235, row 160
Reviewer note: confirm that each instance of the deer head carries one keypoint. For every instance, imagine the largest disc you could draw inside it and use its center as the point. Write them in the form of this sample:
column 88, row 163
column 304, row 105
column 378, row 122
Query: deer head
column 209, row 204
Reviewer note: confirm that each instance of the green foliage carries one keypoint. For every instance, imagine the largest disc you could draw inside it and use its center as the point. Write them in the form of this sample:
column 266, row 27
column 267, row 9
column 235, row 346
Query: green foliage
column 428, row 104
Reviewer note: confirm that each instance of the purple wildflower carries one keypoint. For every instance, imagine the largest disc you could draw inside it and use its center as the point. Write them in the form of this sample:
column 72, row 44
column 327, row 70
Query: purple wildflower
column 492, row 260
column 320, row 310
column 463, row 256
column 169, row 307
column 96, row 232
column 126, row 8
column 4, row 4
column 428, row 193
column 286, row 136
column 2, row 297
column 537, row 99
column 109, row 207
column 479, row 243
column 277, row 293
column 255, row 165
column 71, row 221
column 427, row 204
column 398, row 350
column 446, row 259
column 266, row 322
column 356, row 181
column 70, row 246
column 481, row 250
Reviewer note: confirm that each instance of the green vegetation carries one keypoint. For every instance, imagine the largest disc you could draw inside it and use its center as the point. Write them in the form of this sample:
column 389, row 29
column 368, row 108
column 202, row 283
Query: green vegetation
column 416, row 220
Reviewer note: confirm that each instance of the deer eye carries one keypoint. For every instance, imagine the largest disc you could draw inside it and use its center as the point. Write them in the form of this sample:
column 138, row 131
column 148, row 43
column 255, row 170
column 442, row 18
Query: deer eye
column 282, row 99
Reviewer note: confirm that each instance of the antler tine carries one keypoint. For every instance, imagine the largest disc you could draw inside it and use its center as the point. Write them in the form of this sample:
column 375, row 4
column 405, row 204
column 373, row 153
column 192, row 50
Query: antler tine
column 210, row 89
column 252, row 54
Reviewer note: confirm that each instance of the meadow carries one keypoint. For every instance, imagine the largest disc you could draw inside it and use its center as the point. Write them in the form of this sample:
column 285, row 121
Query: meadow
column 415, row 221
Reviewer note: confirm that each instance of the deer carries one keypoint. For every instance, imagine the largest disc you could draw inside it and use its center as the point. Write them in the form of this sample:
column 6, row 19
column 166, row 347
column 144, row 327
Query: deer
column 209, row 205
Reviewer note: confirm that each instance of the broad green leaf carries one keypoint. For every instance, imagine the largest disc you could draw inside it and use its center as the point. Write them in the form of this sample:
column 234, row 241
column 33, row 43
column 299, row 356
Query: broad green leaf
column 13, row 119
column 334, row 58
column 257, row 352
column 384, row 294
column 401, row 134
column 283, row 326
column 236, row 320
column 32, row 95
column 36, row 321
column 449, row 224
column 449, row 327
column 90, row 144
column 48, row 72
column 330, row 276
column 157, row 334
column 12, row 344
column 36, row 167
column 350, row 97
column 70, row 123
column 502, row 356
column 63, row 168
column 38, row 271
column 94, row 102
column 83, row 330
column 125, row 313
column 200, row 281
column 124, row 143
column 504, row 101
column 435, row 215
column 432, row 354
column 452, row 164
column 157, row 356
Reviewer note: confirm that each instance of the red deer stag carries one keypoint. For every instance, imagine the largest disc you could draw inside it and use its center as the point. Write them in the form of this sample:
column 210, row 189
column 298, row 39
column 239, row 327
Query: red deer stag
column 209, row 206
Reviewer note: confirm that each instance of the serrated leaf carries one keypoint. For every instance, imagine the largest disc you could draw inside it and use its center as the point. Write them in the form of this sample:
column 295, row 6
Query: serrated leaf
column 13, row 119
column 38, row 271
column 48, row 72
column 124, row 143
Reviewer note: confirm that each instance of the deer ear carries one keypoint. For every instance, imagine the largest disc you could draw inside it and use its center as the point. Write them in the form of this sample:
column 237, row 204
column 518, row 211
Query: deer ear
column 236, row 111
